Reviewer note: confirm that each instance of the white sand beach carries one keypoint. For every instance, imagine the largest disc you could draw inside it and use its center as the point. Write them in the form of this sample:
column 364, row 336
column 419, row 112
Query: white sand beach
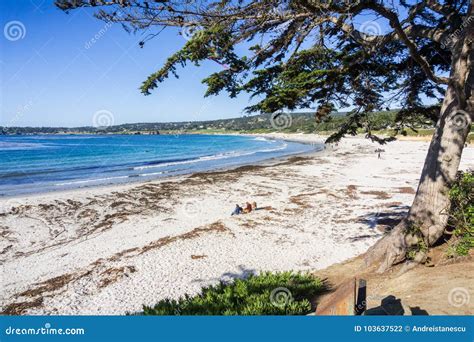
column 111, row 249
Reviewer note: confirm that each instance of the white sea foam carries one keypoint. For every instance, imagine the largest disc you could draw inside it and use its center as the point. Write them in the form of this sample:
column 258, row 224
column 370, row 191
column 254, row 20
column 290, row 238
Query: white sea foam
column 275, row 149
column 219, row 156
column 4, row 145
column 91, row 180
column 151, row 174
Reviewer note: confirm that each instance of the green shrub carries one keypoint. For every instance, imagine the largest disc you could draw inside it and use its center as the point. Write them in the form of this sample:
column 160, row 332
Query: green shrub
column 285, row 293
column 461, row 216
column 420, row 247
column 415, row 250
column 470, row 137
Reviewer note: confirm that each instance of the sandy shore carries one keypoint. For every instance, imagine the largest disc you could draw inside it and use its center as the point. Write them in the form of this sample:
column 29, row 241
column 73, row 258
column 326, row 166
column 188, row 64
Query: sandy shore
column 110, row 250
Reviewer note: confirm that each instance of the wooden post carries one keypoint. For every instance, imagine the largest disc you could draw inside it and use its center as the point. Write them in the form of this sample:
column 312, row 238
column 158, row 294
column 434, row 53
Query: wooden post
column 347, row 300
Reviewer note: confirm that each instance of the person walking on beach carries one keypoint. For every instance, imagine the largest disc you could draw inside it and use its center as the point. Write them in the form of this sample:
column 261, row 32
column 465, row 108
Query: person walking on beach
column 238, row 210
column 378, row 151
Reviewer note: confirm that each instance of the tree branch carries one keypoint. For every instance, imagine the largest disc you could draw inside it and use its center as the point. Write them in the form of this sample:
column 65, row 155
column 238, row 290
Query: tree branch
column 395, row 24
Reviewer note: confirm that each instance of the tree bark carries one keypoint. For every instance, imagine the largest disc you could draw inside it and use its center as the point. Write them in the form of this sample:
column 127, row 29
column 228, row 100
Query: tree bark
column 427, row 218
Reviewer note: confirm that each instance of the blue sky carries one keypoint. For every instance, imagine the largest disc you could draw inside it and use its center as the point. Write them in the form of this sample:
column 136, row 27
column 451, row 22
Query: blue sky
column 54, row 74
column 53, row 77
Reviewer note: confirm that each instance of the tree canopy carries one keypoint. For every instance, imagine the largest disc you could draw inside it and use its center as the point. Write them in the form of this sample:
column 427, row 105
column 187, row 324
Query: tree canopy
column 308, row 54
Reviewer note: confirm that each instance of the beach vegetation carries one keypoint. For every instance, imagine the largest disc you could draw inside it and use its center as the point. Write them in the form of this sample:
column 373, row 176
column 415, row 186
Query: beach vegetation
column 418, row 248
column 280, row 293
column 461, row 215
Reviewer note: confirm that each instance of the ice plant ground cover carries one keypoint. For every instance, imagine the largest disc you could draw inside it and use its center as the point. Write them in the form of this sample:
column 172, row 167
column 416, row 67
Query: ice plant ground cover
column 284, row 293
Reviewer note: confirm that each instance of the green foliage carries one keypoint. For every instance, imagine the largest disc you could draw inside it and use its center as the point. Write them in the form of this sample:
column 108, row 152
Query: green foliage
column 284, row 293
column 461, row 218
column 211, row 43
column 420, row 248
column 413, row 251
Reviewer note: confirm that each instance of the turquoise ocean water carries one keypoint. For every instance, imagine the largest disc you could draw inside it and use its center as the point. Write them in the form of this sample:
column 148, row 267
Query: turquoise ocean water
column 31, row 164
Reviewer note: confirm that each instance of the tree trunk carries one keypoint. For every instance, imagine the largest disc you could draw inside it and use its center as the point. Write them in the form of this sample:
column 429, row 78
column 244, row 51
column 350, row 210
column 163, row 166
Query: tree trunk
column 428, row 215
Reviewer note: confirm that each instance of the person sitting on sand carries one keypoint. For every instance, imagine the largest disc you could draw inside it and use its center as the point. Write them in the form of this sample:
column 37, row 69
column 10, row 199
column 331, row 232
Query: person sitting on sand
column 248, row 208
column 254, row 205
column 238, row 210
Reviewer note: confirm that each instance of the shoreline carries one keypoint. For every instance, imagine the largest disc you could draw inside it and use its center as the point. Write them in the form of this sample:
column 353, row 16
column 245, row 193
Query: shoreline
column 136, row 180
column 110, row 250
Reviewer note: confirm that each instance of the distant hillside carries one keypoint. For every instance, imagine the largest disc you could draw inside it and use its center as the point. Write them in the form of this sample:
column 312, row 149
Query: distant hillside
column 294, row 122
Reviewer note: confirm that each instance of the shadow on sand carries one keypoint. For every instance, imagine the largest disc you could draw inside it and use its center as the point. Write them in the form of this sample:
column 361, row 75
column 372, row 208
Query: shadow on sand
column 392, row 306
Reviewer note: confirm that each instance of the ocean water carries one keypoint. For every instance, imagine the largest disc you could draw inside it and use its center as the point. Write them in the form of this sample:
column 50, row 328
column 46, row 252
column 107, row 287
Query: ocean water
column 31, row 164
